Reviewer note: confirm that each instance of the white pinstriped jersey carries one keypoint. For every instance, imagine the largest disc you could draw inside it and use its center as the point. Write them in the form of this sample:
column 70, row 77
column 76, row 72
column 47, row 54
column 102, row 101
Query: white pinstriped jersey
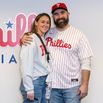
column 67, row 48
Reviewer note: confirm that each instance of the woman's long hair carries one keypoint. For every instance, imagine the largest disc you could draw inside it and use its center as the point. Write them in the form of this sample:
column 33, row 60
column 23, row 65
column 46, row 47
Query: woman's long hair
column 34, row 27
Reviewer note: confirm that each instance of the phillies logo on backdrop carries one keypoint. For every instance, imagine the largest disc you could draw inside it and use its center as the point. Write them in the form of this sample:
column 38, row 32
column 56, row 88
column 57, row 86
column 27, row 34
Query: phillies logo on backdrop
column 14, row 29
column 20, row 24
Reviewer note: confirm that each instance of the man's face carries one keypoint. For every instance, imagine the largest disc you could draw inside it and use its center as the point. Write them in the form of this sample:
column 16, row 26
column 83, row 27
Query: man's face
column 61, row 18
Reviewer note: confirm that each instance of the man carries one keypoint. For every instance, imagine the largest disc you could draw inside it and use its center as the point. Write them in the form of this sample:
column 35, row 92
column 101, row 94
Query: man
column 70, row 62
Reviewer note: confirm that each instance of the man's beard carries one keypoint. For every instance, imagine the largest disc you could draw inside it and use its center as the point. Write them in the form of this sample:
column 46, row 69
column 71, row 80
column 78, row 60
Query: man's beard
column 61, row 23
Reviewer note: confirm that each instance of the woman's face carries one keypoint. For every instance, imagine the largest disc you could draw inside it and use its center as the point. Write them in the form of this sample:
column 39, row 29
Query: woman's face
column 43, row 25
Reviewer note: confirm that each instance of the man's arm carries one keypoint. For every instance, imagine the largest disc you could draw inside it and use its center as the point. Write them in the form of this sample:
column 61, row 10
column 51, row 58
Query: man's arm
column 83, row 90
column 85, row 75
column 26, row 39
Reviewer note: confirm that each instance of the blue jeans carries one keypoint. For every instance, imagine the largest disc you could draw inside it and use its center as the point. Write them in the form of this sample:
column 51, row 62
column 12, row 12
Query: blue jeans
column 39, row 89
column 65, row 95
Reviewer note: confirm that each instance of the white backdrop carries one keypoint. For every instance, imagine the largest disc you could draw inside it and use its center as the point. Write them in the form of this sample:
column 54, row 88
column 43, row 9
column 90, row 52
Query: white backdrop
column 86, row 15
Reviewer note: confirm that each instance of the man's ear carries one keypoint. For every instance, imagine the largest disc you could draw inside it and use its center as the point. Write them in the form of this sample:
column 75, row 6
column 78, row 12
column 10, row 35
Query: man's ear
column 68, row 13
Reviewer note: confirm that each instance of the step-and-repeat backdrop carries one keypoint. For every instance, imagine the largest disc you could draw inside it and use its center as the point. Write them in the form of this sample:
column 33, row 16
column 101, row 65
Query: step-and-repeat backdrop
column 16, row 18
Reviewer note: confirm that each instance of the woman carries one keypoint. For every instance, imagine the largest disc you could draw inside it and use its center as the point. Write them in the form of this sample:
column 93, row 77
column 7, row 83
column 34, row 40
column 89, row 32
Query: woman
column 34, row 62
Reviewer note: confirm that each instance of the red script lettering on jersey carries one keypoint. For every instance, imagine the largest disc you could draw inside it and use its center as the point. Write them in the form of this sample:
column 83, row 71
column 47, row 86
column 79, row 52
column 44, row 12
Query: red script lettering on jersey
column 57, row 43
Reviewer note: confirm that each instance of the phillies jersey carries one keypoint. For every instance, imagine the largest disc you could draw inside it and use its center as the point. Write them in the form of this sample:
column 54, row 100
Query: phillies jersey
column 33, row 62
column 67, row 48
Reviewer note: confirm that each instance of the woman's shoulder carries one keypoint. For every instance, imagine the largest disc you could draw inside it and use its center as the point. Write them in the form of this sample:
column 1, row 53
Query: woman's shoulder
column 34, row 36
column 35, row 39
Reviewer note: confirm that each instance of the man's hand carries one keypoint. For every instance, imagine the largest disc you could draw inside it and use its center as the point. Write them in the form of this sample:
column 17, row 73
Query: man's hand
column 83, row 91
column 26, row 39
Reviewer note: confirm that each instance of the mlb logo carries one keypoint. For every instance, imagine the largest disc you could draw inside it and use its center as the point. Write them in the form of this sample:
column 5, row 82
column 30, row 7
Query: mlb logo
column 58, row 5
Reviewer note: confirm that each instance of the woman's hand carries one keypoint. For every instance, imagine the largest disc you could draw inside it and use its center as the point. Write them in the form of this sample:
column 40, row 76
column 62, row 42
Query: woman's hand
column 30, row 95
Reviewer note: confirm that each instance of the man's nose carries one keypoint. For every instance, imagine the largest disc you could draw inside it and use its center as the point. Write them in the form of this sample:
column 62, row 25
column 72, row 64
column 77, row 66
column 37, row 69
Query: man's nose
column 60, row 16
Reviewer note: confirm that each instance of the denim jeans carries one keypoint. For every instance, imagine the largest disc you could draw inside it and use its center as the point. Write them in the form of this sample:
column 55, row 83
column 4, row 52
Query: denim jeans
column 65, row 95
column 39, row 89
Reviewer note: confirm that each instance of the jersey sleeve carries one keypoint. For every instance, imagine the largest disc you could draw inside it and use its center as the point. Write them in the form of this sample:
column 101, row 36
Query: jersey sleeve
column 84, row 48
column 27, row 55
